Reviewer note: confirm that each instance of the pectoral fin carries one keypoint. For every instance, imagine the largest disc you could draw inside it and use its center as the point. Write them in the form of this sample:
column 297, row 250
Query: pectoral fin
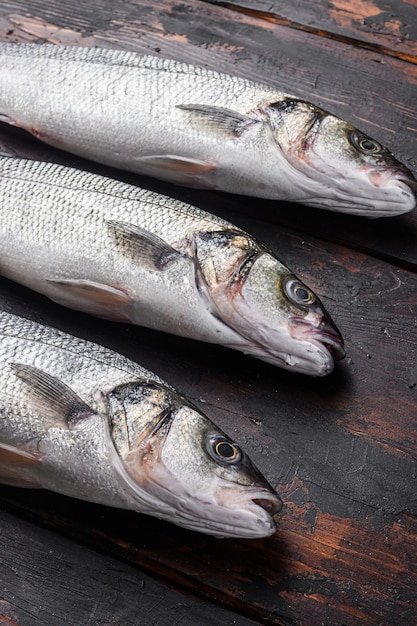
column 145, row 247
column 220, row 120
column 93, row 298
column 52, row 395
column 179, row 170
column 18, row 468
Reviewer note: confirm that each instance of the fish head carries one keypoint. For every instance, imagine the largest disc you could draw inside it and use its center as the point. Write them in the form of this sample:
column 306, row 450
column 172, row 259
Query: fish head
column 186, row 470
column 336, row 166
column 277, row 317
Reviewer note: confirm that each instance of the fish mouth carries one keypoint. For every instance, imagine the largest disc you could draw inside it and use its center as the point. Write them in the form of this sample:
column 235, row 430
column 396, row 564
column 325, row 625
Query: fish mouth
column 271, row 505
column 248, row 512
column 326, row 338
column 332, row 344
column 231, row 515
column 384, row 176
column 261, row 496
column 254, row 514
column 302, row 349
column 398, row 177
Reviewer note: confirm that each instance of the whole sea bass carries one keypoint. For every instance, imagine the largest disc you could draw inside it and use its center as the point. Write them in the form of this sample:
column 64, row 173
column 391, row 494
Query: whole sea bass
column 196, row 127
column 127, row 254
column 86, row 422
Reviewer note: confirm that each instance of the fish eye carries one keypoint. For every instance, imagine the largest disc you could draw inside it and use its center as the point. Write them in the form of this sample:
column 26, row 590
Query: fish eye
column 223, row 450
column 365, row 144
column 297, row 292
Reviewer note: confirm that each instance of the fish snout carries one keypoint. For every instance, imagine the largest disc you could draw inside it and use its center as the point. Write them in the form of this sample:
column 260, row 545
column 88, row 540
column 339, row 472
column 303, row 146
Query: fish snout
column 325, row 333
column 272, row 504
column 381, row 177
column 260, row 492
column 251, row 510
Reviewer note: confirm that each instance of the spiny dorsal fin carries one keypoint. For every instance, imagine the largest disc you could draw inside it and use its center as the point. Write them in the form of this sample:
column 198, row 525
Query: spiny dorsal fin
column 55, row 395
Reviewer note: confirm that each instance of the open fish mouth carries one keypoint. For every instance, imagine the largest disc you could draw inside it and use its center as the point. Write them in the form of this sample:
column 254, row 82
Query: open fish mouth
column 271, row 505
column 257, row 513
column 265, row 498
column 232, row 514
column 325, row 339
column 397, row 184
column 303, row 349
column 332, row 344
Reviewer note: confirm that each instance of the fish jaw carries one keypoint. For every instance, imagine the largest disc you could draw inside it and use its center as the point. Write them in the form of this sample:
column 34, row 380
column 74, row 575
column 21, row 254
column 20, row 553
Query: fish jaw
column 233, row 516
column 319, row 345
column 305, row 347
column 399, row 186
column 384, row 192
column 298, row 347
column 220, row 510
column 307, row 351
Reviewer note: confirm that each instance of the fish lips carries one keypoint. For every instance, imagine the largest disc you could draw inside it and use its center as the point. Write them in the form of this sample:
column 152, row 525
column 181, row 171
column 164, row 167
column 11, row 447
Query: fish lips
column 238, row 510
column 303, row 349
column 271, row 505
column 245, row 514
column 326, row 337
column 395, row 177
column 225, row 510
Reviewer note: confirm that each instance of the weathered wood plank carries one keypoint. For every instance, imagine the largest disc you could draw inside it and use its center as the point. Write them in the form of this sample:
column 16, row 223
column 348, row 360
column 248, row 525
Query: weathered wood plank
column 385, row 26
column 318, row 569
column 87, row 588
column 373, row 91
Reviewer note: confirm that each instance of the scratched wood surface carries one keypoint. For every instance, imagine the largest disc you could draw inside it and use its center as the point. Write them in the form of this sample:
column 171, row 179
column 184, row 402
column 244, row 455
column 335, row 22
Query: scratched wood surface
column 341, row 451
column 385, row 26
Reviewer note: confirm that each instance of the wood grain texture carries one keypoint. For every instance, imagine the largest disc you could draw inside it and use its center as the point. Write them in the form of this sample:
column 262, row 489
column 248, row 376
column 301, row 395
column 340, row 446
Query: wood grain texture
column 341, row 451
column 102, row 592
column 387, row 27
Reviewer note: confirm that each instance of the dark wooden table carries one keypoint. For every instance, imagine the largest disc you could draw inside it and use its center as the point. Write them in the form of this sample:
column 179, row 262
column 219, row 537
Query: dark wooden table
column 341, row 451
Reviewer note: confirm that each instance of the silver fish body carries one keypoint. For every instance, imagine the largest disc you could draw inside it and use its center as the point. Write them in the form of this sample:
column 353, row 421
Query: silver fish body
column 197, row 127
column 127, row 254
column 84, row 421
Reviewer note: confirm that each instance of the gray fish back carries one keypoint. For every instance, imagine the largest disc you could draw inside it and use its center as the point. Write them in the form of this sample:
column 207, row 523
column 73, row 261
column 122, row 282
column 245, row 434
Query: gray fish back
column 119, row 58
column 13, row 326
column 68, row 178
